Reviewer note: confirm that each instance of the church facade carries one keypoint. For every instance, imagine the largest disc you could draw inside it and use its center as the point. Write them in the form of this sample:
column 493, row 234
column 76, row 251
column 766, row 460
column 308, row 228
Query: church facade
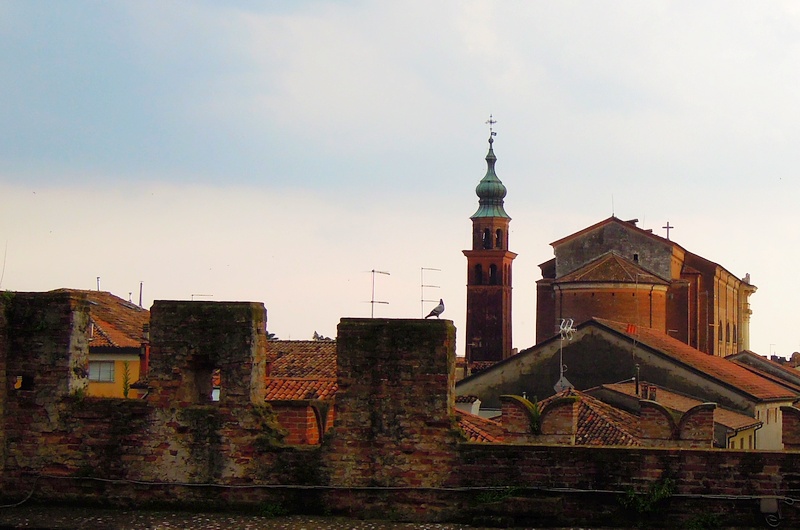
column 618, row 271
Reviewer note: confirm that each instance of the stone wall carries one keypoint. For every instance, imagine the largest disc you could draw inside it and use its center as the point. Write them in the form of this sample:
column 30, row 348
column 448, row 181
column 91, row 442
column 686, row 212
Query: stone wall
column 394, row 452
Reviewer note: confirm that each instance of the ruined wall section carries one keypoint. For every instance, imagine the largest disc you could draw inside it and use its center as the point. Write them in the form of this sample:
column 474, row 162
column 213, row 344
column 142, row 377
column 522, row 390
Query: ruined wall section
column 45, row 349
column 203, row 440
column 395, row 423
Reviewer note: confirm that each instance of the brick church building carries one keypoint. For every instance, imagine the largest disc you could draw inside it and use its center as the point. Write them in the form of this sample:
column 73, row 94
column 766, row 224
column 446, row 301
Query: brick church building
column 620, row 272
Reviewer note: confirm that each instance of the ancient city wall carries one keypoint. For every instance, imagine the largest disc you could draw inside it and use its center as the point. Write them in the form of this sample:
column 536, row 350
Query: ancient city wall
column 395, row 450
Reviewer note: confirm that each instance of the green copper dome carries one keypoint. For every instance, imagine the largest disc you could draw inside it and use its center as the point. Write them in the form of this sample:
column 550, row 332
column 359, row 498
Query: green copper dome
column 490, row 190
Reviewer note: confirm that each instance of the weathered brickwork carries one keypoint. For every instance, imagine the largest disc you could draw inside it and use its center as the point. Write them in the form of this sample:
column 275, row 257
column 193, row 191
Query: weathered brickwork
column 395, row 450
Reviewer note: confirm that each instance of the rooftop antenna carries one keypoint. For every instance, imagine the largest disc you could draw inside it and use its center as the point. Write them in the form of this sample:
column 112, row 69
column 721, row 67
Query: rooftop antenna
column 140, row 293
column 98, row 283
column 201, row 296
column 372, row 301
column 422, row 286
column 612, row 205
column 566, row 331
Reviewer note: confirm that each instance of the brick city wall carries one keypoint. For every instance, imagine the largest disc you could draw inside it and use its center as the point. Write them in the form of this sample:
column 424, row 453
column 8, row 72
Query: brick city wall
column 394, row 452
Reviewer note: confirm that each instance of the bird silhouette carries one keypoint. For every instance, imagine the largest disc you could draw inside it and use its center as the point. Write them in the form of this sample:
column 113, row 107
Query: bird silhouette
column 438, row 310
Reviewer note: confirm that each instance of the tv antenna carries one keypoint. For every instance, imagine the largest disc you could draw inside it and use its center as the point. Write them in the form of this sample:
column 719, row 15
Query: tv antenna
column 201, row 296
column 566, row 331
column 372, row 301
column 422, row 287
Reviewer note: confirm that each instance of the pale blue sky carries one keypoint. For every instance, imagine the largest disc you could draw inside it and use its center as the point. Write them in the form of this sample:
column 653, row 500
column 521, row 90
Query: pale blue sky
column 277, row 152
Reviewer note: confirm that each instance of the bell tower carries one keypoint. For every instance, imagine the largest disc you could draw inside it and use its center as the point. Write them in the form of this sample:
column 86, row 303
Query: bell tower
column 488, row 337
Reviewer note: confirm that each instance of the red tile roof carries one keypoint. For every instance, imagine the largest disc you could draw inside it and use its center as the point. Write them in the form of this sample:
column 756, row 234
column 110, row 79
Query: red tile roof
column 599, row 423
column 781, row 374
column 301, row 369
column 302, row 358
column 479, row 429
column 296, row 389
column 114, row 322
column 681, row 403
column 611, row 267
column 718, row 368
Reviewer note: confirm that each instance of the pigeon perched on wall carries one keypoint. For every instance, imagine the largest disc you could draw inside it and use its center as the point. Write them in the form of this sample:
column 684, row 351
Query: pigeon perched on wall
column 438, row 310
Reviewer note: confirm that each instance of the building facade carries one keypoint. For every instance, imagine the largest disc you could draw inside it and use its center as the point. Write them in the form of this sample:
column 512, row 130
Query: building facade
column 618, row 271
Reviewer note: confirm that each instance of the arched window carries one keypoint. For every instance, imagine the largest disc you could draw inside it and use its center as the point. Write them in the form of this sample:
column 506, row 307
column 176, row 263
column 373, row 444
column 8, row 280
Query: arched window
column 493, row 276
column 735, row 337
column 487, row 238
column 498, row 239
column 728, row 333
column 478, row 274
column 720, row 338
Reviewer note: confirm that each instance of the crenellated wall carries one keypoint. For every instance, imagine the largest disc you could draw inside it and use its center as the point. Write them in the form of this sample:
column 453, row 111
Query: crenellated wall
column 395, row 450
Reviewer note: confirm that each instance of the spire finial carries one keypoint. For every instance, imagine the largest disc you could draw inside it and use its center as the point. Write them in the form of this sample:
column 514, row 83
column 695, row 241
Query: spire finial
column 491, row 123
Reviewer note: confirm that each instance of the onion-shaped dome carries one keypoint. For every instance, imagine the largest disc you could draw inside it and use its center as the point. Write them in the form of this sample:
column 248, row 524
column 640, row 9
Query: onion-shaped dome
column 490, row 190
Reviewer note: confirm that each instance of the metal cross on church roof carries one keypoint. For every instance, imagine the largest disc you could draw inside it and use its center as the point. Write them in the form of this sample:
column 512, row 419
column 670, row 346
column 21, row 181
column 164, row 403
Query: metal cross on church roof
column 668, row 228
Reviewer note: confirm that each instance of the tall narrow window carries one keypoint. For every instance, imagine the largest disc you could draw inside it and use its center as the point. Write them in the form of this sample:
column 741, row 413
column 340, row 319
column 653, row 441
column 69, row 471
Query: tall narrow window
column 478, row 274
column 498, row 239
column 487, row 239
column 492, row 274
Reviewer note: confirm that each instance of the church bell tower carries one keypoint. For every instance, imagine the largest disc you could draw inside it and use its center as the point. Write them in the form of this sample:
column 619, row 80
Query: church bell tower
column 488, row 338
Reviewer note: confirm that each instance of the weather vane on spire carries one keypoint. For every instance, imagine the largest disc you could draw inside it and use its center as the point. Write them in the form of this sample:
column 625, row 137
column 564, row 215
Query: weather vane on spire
column 491, row 123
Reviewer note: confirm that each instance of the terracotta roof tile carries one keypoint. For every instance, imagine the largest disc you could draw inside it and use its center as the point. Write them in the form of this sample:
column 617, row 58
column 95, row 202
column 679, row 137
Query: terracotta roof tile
column 681, row 403
column 599, row 423
column 783, row 375
column 296, row 389
column 314, row 359
column 301, row 369
column 724, row 371
column 116, row 323
column 479, row 429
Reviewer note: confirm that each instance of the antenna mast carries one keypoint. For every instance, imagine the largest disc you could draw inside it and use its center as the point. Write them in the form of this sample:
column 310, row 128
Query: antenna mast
column 372, row 301
column 422, row 287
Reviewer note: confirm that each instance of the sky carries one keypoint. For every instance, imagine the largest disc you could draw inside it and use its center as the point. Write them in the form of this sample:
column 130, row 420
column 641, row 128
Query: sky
column 278, row 152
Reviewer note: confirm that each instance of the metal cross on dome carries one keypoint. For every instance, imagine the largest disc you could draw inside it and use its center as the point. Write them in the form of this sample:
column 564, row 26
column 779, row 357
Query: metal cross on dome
column 491, row 123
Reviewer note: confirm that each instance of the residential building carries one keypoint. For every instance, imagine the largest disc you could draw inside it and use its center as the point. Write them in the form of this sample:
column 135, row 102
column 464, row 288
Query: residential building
column 117, row 344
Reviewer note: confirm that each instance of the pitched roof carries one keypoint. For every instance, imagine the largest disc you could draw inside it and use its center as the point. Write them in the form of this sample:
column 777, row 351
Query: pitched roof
column 718, row 368
column 611, row 267
column 115, row 322
column 682, row 403
column 628, row 224
column 301, row 369
column 599, row 423
column 767, row 368
column 297, row 389
column 479, row 429
column 302, row 358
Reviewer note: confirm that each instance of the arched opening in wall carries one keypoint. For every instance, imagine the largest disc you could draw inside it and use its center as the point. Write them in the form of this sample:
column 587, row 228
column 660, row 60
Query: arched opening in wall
column 728, row 333
column 478, row 275
column 498, row 239
column 735, row 337
column 487, row 238
column 636, row 257
column 493, row 276
column 720, row 338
